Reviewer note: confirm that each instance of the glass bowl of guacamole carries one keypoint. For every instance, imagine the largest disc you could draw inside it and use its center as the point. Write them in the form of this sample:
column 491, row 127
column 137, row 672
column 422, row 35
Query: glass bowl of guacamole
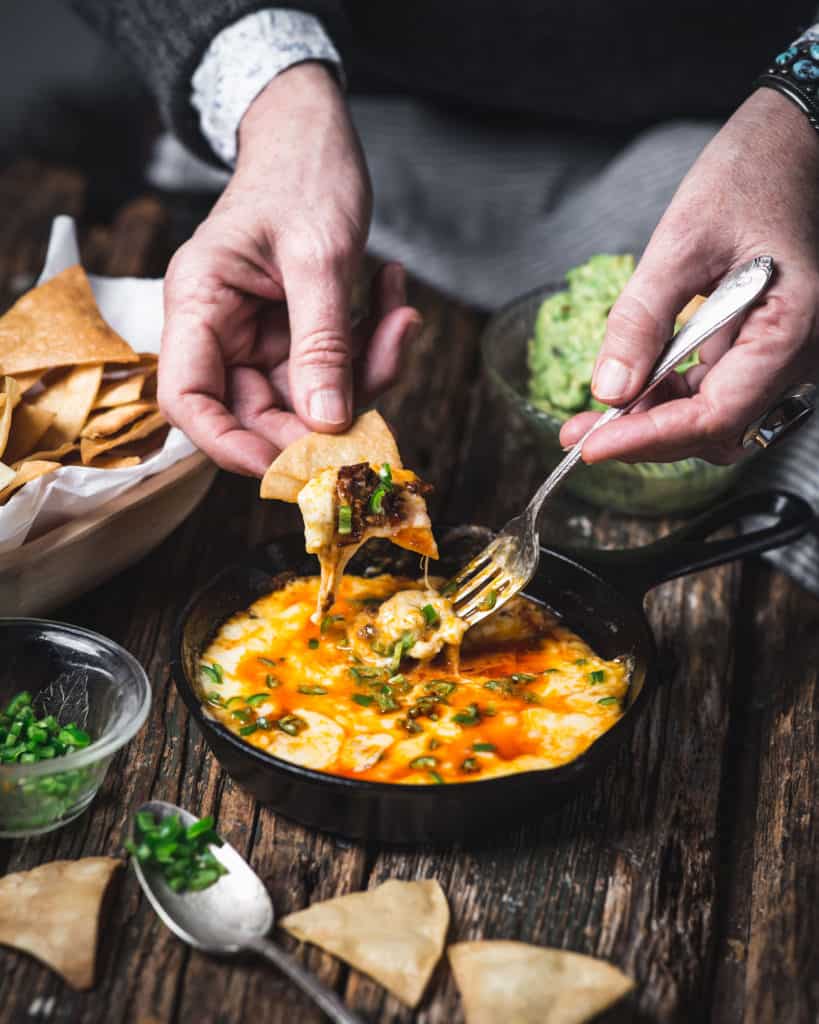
column 540, row 351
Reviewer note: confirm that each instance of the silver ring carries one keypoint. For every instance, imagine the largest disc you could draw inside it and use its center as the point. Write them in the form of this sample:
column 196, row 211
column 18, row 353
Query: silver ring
column 791, row 411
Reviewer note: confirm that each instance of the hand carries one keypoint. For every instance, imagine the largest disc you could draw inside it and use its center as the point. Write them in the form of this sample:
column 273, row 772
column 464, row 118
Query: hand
column 753, row 191
column 257, row 346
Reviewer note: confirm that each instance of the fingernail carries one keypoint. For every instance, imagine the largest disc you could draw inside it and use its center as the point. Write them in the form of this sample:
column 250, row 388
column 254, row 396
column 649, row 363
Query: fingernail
column 328, row 406
column 611, row 380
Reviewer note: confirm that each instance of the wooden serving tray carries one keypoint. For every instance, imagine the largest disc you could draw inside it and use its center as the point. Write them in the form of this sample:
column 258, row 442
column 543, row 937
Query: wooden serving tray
column 72, row 558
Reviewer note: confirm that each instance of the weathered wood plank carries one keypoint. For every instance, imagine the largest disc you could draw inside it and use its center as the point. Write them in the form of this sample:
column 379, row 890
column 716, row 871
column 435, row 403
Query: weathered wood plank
column 767, row 967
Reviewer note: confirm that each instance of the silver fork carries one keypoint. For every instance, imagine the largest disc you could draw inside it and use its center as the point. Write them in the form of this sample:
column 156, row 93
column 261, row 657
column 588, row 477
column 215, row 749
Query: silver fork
column 508, row 562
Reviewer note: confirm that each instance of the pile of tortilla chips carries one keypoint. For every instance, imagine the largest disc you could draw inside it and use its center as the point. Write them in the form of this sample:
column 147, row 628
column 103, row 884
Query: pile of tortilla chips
column 72, row 391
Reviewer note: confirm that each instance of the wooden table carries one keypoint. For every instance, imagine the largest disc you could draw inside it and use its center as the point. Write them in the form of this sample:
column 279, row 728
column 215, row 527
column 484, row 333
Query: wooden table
column 692, row 864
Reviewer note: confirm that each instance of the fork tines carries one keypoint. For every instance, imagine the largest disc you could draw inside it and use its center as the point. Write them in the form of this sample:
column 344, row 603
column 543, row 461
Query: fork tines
column 483, row 584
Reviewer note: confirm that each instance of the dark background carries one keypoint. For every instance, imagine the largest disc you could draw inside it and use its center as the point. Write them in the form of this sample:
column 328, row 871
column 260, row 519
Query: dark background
column 67, row 97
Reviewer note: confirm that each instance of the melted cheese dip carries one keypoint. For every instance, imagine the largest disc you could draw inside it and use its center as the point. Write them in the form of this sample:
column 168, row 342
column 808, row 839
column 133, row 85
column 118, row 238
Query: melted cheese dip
column 528, row 693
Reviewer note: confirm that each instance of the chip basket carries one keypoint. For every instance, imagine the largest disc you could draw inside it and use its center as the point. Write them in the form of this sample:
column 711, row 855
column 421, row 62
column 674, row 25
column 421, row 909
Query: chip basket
column 72, row 558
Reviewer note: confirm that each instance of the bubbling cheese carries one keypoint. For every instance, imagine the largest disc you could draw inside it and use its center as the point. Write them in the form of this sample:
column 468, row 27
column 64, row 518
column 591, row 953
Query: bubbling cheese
column 527, row 695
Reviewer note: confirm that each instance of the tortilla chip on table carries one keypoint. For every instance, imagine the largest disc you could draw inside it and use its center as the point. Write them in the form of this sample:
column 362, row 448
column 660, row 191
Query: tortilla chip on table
column 505, row 981
column 53, row 913
column 394, row 933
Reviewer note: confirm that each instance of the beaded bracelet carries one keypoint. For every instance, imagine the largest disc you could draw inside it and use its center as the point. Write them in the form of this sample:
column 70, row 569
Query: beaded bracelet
column 795, row 73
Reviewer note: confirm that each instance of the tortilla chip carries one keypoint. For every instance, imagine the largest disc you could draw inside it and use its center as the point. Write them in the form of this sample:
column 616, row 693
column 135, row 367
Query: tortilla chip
column 58, row 324
column 689, row 309
column 368, row 440
column 28, row 380
column 413, row 538
column 394, row 933
column 127, row 385
column 7, row 474
column 29, row 470
column 111, row 460
column 49, row 454
column 90, row 448
column 70, row 398
column 28, row 424
column 53, row 912
column 104, row 424
column 513, row 981
column 9, row 397
column 120, row 392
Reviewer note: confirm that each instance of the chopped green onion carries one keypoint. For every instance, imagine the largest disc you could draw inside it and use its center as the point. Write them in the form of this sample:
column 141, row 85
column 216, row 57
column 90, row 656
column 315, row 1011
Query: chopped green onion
column 214, row 673
column 490, row 601
column 401, row 647
column 431, row 617
column 291, row 724
column 609, row 701
column 597, row 677
column 487, row 748
column 423, row 762
column 257, row 698
column 448, row 589
column 246, row 730
column 198, row 828
column 376, row 502
column 233, row 700
column 312, row 691
column 581, row 661
column 470, row 766
column 215, row 699
column 345, row 519
column 242, row 714
column 436, row 778
column 271, row 683
column 441, row 688
column 470, row 716
column 312, row 643
column 329, row 621
column 385, row 698
column 385, row 473
column 363, row 699
column 433, row 744
column 183, row 856
column 267, row 661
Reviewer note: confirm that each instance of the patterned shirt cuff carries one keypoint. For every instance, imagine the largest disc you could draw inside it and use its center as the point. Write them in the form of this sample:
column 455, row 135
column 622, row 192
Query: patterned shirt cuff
column 241, row 61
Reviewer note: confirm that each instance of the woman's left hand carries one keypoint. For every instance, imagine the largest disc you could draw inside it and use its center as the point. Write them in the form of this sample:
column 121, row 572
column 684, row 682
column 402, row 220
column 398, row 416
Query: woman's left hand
column 754, row 190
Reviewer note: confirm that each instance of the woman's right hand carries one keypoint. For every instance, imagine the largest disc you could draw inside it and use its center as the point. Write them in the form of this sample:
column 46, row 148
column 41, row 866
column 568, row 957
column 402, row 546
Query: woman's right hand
column 257, row 346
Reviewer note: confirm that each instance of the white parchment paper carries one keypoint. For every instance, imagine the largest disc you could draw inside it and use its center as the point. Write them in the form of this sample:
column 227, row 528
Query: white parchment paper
column 133, row 307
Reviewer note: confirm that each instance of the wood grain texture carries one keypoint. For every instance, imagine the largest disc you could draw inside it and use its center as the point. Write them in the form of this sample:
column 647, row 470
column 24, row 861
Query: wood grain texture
column 691, row 864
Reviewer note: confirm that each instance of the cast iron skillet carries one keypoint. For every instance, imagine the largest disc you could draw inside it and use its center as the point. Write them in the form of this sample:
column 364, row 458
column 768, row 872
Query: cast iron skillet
column 598, row 593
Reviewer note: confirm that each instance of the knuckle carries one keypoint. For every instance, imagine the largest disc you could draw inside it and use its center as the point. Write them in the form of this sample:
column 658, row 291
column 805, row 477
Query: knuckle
column 324, row 348
column 329, row 250
column 631, row 326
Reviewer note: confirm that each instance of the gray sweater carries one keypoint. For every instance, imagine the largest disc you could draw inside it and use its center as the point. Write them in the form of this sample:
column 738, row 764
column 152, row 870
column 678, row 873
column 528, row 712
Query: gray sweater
column 607, row 64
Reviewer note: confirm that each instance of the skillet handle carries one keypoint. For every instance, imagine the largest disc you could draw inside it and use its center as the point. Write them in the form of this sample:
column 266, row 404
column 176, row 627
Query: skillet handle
column 689, row 550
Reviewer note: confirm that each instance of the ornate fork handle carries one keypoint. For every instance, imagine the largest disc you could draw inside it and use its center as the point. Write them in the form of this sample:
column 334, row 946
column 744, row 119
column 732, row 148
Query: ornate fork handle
column 736, row 292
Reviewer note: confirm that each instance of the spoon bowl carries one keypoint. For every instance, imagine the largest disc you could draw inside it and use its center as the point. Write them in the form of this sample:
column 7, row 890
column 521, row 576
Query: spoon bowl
column 233, row 915
column 223, row 919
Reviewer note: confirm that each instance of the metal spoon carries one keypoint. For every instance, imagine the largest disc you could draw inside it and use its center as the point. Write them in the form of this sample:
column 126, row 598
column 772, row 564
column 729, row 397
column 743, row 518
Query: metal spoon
column 233, row 916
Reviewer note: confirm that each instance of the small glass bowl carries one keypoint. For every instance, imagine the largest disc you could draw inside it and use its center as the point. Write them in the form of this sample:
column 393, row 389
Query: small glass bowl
column 643, row 488
column 78, row 676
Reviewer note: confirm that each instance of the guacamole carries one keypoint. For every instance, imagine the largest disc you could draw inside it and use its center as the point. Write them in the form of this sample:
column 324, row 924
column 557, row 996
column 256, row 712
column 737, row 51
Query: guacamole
column 569, row 330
